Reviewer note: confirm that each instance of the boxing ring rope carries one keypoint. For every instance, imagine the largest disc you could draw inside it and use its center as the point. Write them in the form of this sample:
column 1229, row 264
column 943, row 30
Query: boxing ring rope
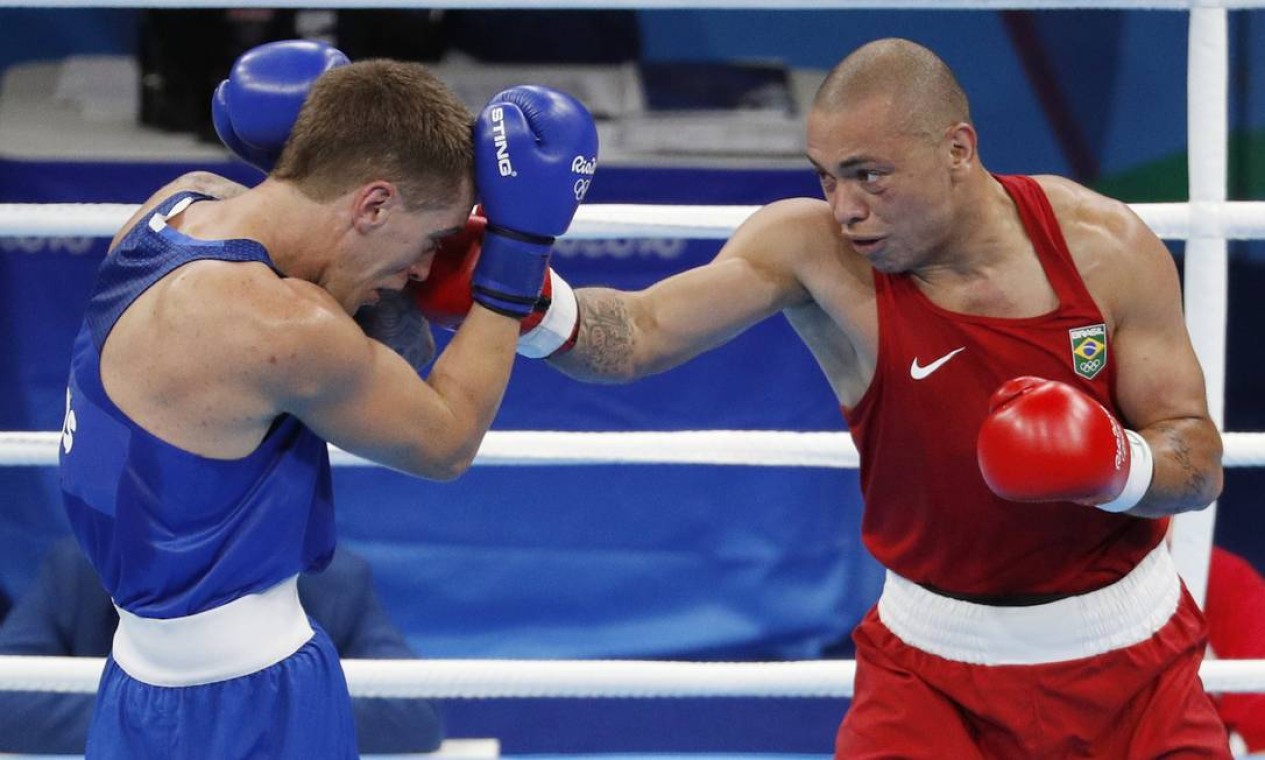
column 1233, row 220
column 527, row 448
column 1206, row 222
column 489, row 679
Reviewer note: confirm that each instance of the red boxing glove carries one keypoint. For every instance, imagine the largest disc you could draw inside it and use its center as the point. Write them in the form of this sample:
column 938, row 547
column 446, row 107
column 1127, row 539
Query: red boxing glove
column 446, row 295
column 1046, row 441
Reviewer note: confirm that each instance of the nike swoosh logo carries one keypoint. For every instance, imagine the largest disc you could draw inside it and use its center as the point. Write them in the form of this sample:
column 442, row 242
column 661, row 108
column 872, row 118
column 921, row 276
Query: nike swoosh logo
column 918, row 372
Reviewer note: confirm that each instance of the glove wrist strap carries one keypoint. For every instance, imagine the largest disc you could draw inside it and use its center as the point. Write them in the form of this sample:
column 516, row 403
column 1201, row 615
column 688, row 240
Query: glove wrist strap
column 509, row 274
column 1141, row 471
column 556, row 332
column 525, row 237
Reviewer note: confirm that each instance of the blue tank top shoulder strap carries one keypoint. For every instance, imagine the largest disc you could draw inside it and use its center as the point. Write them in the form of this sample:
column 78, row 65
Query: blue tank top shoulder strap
column 151, row 250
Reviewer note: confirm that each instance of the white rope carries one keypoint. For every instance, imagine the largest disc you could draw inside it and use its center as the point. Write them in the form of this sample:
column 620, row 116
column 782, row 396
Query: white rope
column 1235, row 220
column 487, row 679
column 749, row 448
column 599, row 678
column 757, row 448
column 1206, row 277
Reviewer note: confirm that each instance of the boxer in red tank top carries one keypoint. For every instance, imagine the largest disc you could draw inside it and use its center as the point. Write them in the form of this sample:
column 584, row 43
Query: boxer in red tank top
column 1011, row 356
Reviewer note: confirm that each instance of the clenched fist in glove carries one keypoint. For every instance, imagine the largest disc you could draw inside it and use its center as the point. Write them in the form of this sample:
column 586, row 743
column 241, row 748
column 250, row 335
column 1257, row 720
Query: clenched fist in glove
column 535, row 153
column 1045, row 440
column 255, row 108
column 445, row 296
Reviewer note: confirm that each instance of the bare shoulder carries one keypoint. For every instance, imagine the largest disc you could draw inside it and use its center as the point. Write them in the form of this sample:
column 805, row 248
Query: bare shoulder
column 798, row 210
column 287, row 337
column 1118, row 256
column 202, row 182
column 796, row 235
column 205, row 183
column 792, row 226
column 1093, row 222
column 797, row 245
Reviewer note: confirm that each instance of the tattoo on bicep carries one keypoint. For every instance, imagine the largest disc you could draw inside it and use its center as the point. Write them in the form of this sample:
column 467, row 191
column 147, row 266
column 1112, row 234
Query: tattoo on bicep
column 396, row 322
column 605, row 343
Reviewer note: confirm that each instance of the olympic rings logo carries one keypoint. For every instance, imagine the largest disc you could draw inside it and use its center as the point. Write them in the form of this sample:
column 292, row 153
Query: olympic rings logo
column 1091, row 366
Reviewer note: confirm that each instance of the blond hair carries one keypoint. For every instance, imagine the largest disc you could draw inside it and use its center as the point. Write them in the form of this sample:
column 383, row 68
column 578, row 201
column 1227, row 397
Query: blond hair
column 380, row 119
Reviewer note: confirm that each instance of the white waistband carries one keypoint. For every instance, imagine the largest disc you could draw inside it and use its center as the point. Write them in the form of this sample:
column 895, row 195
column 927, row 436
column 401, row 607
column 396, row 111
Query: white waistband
column 244, row 636
column 1120, row 615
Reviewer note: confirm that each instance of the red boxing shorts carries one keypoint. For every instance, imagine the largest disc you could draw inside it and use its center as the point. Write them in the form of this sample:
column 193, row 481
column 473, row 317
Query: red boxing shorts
column 965, row 681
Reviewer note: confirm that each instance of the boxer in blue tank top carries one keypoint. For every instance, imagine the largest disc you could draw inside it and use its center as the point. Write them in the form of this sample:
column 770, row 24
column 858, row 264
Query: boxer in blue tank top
column 218, row 356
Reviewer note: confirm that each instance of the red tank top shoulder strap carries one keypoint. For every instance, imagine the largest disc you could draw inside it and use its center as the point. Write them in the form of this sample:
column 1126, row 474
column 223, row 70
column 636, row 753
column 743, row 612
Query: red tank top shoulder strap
column 1043, row 230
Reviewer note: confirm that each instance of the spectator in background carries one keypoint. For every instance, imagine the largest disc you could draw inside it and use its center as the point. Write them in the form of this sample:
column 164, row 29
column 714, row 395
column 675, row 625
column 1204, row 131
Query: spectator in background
column 67, row 613
column 1235, row 611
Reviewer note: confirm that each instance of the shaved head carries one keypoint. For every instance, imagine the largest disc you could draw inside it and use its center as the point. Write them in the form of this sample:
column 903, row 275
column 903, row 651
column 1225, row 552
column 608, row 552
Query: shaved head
column 922, row 94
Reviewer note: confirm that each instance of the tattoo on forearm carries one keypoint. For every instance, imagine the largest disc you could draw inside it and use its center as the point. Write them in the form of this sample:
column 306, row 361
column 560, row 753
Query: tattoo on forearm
column 396, row 322
column 604, row 347
column 1194, row 481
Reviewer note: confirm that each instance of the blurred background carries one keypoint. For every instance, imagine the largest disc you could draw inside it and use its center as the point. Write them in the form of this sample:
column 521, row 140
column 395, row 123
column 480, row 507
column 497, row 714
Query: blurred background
column 695, row 107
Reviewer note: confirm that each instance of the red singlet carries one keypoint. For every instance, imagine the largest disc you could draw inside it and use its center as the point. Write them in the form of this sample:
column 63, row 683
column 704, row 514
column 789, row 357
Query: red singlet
column 929, row 516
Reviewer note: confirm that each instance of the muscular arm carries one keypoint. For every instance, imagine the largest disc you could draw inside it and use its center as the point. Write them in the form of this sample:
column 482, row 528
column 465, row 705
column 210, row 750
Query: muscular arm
column 624, row 336
column 244, row 346
column 1159, row 383
column 1160, row 386
column 363, row 397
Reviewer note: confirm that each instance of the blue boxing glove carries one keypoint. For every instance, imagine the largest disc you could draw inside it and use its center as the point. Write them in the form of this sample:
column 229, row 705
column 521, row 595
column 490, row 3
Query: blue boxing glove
column 535, row 155
column 255, row 108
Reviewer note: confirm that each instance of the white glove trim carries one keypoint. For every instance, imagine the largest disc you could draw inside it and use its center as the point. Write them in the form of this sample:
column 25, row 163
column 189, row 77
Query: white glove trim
column 1141, row 471
column 558, row 325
